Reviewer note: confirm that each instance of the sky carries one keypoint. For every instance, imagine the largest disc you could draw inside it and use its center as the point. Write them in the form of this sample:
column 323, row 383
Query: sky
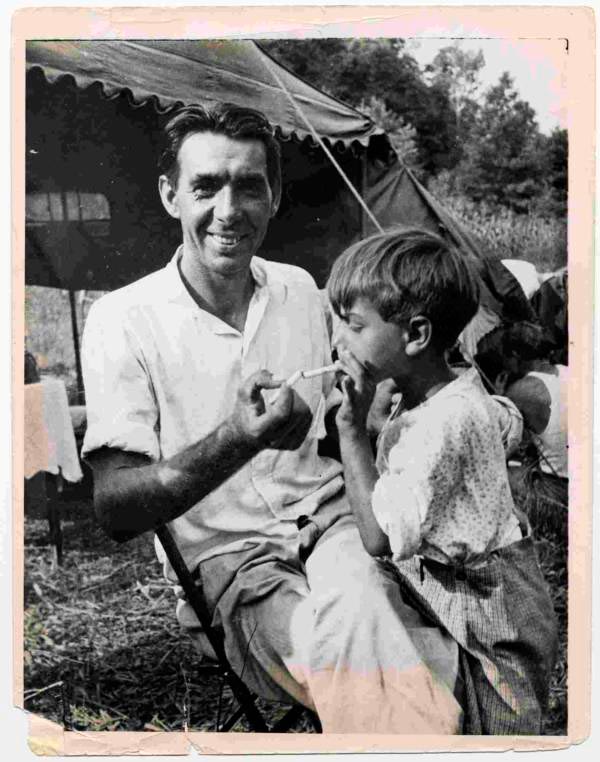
column 537, row 66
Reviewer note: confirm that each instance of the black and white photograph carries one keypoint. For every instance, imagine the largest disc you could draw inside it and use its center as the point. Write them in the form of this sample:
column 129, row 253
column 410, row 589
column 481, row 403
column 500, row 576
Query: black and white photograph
column 296, row 354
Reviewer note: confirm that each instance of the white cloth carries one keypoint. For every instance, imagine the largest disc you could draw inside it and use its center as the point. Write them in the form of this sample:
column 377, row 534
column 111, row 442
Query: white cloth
column 443, row 490
column 525, row 273
column 161, row 374
column 49, row 437
column 553, row 441
column 484, row 322
column 510, row 422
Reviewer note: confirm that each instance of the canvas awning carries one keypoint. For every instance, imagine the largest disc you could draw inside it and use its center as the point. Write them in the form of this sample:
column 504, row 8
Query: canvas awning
column 172, row 72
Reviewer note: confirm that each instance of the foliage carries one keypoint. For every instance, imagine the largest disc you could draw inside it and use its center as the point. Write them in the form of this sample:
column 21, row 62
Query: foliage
column 456, row 72
column 503, row 160
column 35, row 634
column 87, row 719
column 49, row 333
column 403, row 136
column 554, row 150
column 502, row 232
column 381, row 68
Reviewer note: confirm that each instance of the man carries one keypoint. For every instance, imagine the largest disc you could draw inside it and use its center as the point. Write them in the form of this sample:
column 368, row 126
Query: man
column 183, row 428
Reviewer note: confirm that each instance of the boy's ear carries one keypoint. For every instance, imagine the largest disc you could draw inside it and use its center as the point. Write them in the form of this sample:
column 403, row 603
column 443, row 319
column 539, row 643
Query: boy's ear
column 168, row 196
column 419, row 335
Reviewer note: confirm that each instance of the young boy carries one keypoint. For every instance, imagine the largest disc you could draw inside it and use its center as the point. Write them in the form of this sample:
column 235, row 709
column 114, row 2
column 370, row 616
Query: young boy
column 437, row 497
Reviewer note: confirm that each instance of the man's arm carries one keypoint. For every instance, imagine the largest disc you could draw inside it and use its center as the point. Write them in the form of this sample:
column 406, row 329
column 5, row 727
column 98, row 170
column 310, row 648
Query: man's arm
column 133, row 495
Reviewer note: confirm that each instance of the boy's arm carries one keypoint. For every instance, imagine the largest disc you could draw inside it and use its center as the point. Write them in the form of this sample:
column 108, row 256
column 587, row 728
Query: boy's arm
column 360, row 476
column 360, row 473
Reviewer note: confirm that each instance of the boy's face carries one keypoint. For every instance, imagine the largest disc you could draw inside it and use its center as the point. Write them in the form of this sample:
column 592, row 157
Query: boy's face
column 377, row 345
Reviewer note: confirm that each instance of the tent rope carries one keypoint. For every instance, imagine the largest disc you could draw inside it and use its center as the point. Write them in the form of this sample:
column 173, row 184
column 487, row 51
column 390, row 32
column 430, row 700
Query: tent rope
column 319, row 140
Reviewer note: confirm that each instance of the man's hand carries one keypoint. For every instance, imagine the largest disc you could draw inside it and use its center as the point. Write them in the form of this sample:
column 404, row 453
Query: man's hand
column 281, row 424
column 358, row 390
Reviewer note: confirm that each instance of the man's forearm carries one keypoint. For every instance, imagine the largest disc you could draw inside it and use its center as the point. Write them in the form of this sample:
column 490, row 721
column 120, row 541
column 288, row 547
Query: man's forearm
column 132, row 499
column 360, row 476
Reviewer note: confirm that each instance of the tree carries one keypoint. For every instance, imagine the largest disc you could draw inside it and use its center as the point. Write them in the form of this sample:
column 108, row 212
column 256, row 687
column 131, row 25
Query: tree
column 503, row 160
column 556, row 153
column 356, row 70
column 456, row 72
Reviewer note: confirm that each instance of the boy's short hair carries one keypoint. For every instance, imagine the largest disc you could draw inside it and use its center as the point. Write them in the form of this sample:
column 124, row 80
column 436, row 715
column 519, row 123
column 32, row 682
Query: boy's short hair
column 407, row 272
column 236, row 122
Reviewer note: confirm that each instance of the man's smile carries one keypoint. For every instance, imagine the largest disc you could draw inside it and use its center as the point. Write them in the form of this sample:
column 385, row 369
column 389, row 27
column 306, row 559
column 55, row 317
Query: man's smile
column 226, row 239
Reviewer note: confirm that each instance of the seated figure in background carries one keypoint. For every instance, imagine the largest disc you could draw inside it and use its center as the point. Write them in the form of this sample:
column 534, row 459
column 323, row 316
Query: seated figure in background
column 516, row 360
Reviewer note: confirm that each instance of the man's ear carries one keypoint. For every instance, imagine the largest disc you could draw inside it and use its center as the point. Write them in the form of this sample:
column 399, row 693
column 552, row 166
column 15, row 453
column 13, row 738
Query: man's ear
column 419, row 335
column 168, row 196
column 501, row 382
column 276, row 192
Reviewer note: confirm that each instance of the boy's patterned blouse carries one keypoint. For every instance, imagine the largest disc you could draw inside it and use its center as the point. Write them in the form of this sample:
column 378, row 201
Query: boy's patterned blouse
column 443, row 490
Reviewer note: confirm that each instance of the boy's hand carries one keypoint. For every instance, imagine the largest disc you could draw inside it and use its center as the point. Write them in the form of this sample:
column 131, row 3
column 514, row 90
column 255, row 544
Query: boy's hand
column 386, row 396
column 358, row 390
column 282, row 424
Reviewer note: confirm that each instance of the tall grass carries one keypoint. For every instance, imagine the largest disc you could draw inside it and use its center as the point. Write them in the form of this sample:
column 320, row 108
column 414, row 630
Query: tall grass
column 502, row 233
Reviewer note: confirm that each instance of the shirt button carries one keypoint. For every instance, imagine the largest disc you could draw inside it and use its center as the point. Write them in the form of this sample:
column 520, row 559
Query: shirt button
column 302, row 521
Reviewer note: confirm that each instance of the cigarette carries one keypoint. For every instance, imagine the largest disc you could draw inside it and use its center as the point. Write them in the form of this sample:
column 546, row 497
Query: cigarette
column 297, row 375
column 319, row 371
column 310, row 373
column 293, row 378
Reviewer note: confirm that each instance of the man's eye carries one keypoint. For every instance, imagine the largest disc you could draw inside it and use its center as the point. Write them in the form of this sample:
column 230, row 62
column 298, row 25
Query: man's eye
column 251, row 187
column 205, row 189
column 355, row 328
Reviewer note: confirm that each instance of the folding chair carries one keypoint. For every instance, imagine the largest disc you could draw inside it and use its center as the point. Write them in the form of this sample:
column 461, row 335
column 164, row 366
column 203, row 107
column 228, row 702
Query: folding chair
column 244, row 697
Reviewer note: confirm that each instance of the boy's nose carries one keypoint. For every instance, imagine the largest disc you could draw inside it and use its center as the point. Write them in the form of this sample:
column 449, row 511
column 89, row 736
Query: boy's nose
column 337, row 339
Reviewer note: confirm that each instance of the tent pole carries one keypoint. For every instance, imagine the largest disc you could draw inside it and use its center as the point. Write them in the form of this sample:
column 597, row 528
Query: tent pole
column 76, row 342
column 363, row 188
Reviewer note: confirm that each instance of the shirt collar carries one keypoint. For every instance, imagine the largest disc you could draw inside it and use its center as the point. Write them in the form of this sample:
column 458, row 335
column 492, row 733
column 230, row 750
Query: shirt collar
column 174, row 289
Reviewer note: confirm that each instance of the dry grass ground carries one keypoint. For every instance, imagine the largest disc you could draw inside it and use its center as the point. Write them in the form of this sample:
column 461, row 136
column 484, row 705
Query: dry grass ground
column 103, row 651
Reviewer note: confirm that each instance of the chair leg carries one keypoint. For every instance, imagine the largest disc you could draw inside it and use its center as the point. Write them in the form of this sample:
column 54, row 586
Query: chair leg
column 314, row 721
column 53, row 514
column 198, row 604
column 232, row 720
column 289, row 719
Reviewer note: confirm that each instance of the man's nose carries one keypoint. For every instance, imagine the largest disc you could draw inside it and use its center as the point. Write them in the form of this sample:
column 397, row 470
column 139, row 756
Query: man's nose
column 227, row 204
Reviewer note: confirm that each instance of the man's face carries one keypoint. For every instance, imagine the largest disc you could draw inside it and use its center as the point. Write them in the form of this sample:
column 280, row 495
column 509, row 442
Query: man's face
column 223, row 200
column 377, row 345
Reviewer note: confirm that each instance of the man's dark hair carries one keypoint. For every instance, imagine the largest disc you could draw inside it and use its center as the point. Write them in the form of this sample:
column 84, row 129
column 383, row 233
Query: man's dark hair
column 524, row 341
column 227, row 119
column 407, row 272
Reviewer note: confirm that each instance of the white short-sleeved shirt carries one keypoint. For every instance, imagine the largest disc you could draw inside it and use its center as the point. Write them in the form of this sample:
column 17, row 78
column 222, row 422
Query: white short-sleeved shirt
column 161, row 374
column 443, row 490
